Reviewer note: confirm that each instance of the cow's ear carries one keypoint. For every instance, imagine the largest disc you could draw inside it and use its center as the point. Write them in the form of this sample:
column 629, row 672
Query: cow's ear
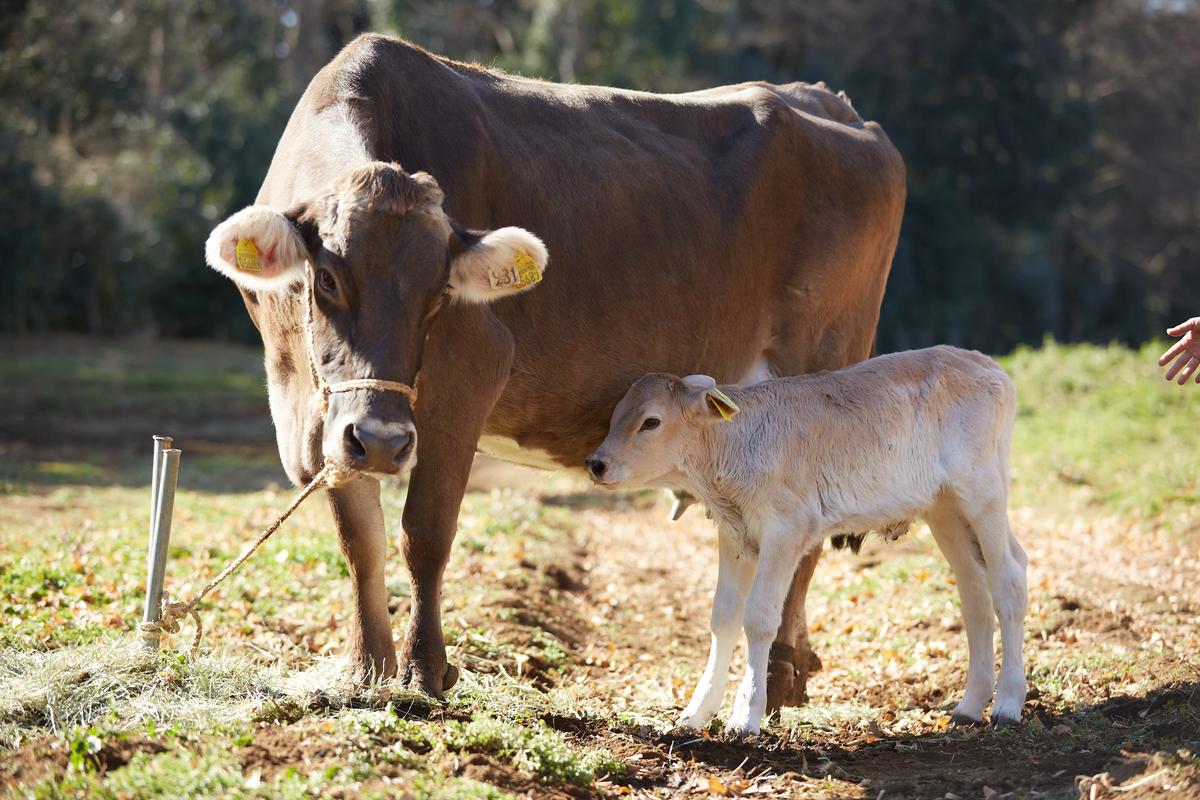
column 707, row 401
column 486, row 266
column 259, row 248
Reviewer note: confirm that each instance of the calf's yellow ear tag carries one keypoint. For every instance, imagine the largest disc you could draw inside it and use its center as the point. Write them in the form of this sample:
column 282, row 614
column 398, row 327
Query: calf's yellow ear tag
column 247, row 256
column 723, row 403
column 527, row 271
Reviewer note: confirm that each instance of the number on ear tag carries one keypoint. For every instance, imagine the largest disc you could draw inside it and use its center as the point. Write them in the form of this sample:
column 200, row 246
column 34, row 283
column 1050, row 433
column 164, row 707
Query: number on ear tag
column 527, row 271
column 247, row 256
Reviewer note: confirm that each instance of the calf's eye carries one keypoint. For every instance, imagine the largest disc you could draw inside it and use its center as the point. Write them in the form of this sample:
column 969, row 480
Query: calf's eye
column 650, row 424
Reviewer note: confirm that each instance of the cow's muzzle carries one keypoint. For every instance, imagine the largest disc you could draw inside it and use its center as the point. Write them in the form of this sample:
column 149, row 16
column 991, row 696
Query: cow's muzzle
column 370, row 445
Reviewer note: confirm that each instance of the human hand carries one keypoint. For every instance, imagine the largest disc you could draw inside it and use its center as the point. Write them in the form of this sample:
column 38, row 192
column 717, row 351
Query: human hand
column 1187, row 349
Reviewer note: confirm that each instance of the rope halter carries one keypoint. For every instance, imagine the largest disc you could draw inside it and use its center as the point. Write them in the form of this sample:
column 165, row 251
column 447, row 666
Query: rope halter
column 324, row 387
column 170, row 613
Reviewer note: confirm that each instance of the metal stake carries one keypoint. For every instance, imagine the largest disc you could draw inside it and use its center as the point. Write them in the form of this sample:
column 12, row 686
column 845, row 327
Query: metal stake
column 163, row 506
column 160, row 443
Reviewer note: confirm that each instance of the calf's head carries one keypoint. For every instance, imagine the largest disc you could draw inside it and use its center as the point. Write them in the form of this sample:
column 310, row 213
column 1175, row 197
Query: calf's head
column 654, row 425
column 363, row 269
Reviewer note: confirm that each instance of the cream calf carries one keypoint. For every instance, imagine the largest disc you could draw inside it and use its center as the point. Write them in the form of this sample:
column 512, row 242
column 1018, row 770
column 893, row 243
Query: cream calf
column 784, row 464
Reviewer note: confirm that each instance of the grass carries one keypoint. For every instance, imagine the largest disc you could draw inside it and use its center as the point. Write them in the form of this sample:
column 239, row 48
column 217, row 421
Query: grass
column 579, row 619
column 1099, row 431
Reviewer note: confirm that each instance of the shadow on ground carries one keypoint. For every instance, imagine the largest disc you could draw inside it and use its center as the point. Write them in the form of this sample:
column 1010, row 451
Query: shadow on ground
column 1049, row 753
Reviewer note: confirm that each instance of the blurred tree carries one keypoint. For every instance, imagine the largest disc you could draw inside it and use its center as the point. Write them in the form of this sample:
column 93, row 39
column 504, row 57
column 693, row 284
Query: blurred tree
column 976, row 97
column 130, row 127
column 1054, row 170
column 1128, row 253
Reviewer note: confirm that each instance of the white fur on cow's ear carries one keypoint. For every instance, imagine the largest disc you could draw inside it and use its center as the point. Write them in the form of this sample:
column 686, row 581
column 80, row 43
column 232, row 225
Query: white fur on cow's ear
column 503, row 262
column 258, row 248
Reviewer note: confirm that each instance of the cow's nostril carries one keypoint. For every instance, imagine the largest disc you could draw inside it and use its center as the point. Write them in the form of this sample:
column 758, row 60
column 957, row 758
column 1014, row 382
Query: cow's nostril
column 354, row 446
column 404, row 445
column 596, row 466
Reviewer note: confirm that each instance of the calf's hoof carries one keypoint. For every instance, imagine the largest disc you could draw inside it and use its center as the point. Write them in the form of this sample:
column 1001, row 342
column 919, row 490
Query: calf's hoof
column 1004, row 719
column 787, row 676
column 741, row 725
column 694, row 721
column 1008, row 706
column 962, row 720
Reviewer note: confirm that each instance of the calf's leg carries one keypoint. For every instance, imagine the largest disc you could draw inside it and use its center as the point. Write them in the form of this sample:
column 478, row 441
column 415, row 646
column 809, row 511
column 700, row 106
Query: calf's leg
column 358, row 517
column 734, row 574
column 956, row 539
column 780, row 551
column 1006, row 564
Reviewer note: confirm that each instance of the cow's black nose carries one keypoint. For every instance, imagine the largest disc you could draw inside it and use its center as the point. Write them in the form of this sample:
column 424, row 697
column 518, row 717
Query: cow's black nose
column 596, row 466
column 379, row 448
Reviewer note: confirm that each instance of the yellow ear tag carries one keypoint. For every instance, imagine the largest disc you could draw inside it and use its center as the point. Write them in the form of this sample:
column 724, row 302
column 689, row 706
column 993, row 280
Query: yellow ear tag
column 247, row 256
column 722, row 403
column 527, row 271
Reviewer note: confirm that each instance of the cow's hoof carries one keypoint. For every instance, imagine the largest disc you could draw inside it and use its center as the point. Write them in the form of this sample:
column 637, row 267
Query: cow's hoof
column 781, row 686
column 450, row 678
column 364, row 671
column 423, row 681
column 1005, row 721
column 787, row 676
column 962, row 720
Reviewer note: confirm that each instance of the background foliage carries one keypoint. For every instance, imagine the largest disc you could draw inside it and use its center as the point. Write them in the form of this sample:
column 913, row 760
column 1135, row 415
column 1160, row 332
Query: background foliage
column 1054, row 171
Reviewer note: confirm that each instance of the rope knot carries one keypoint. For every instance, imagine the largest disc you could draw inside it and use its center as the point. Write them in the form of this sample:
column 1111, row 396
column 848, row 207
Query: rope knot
column 170, row 613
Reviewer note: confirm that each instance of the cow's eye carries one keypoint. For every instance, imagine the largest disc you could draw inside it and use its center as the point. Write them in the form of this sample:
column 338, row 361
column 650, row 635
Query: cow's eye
column 326, row 281
column 650, row 424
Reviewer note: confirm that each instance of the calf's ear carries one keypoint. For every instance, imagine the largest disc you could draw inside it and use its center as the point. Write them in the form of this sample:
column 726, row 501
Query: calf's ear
column 708, row 401
column 259, row 248
column 487, row 266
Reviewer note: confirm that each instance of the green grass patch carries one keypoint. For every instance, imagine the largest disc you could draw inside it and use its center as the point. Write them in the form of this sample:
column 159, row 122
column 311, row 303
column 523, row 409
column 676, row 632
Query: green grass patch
column 1099, row 431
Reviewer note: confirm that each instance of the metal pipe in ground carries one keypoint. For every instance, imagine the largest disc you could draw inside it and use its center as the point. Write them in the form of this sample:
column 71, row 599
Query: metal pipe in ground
column 161, row 443
column 163, row 507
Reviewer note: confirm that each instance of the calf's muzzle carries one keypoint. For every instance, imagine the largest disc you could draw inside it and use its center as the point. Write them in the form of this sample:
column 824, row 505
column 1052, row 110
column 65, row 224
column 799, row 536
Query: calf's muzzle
column 596, row 467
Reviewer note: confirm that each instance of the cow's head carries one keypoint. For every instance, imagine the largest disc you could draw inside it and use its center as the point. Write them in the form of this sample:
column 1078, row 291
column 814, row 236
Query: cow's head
column 654, row 426
column 380, row 258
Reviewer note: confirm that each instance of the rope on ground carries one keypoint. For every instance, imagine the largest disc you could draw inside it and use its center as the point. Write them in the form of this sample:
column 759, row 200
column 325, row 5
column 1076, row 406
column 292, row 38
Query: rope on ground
column 171, row 613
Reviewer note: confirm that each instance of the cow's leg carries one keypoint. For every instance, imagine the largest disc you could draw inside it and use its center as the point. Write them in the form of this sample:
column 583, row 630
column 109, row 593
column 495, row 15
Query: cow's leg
column 430, row 522
column 792, row 659
column 468, row 357
column 358, row 517
column 798, row 350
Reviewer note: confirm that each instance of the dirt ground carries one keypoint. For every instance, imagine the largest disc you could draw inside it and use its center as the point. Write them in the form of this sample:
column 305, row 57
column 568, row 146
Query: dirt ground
column 635, row 591
column 605, row 613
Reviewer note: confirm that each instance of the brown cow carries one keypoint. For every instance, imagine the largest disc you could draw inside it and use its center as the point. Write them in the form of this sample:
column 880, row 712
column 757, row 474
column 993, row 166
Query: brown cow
column 742, row 232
